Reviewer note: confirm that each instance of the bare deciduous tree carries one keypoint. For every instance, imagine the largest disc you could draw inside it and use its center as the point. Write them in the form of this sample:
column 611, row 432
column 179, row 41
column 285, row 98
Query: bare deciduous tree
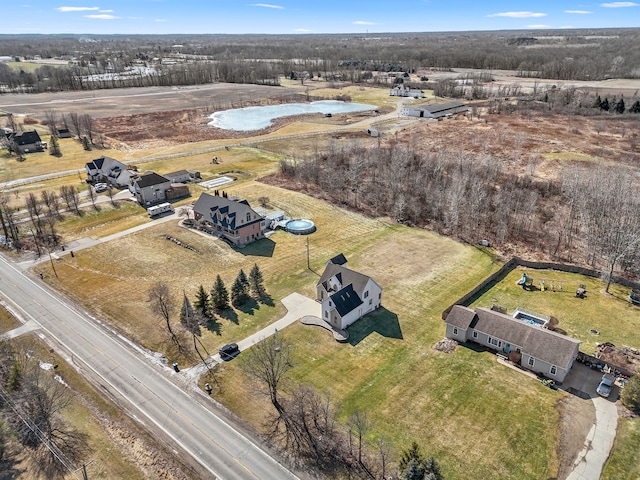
column 163, row 304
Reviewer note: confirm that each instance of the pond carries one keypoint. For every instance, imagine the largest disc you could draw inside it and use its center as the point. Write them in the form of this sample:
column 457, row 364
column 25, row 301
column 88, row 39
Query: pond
column 257, row 118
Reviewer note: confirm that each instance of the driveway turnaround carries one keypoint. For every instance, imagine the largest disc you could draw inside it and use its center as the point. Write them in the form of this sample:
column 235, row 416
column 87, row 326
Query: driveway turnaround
column 143, row 388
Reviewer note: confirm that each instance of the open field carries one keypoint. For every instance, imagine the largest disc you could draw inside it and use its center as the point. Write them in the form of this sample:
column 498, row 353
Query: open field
column 120, row 449
column 612, row 315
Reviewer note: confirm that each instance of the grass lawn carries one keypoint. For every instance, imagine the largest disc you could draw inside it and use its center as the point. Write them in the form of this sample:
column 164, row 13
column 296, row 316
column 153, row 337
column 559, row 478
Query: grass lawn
column 612, row 315
column 7, row 321
column 624, row 461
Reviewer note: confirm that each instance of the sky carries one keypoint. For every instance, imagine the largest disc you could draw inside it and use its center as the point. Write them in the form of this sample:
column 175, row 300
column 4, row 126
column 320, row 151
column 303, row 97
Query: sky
column 307, row 16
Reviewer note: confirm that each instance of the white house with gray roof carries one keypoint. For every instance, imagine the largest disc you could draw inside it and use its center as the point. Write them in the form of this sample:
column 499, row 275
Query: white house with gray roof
column 529, row 345
column 108, row 170
column 346, row 295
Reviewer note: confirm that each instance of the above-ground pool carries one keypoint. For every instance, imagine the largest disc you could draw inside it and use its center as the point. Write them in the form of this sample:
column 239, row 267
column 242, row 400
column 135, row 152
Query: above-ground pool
column 532, row 318
column 300, row 227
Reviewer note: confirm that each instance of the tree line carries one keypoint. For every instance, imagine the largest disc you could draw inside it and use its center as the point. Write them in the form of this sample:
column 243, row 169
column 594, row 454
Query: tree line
column 206, row 306
column 590, row 216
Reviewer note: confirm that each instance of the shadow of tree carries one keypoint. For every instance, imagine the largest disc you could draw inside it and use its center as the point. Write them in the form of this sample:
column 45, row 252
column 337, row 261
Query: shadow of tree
column 261, row 248
column 10, row 465
column 230, row 314
column 266, row 300
column 214, row 326
column 249, row 306
column 380, row 321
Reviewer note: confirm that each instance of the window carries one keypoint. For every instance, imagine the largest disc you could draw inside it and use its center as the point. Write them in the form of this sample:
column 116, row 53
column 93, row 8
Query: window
column 531, row 361
column 379, row 295
column 366, row 294
column 326, row 314
column 330, row 303
column 248, row 217
column 495, row 342
column 455, row 330
column 553, row 370
column 475, row 334
column 370, row 301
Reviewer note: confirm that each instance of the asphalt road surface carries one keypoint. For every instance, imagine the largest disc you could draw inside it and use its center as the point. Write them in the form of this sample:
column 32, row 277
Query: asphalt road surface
column 151, row 395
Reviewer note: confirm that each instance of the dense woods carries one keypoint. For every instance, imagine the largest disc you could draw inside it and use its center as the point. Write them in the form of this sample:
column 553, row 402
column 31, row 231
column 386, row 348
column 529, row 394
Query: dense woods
column 96, row 61
column 591, row 216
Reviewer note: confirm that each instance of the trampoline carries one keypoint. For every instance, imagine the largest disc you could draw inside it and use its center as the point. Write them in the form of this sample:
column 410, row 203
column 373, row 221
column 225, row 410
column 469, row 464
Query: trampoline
column 300, row 227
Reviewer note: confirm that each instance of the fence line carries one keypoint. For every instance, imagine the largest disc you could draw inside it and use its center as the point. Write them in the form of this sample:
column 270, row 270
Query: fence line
column 468, row 298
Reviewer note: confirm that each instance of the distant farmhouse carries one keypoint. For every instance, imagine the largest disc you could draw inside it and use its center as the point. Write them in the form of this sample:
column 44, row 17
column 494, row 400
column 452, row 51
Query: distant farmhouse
column 151, row 188
column 526, row 344
column 402, row 91
column 25, row 142
column 232, row 219
column 346, row 295
column 108, row 170
column 435, row 110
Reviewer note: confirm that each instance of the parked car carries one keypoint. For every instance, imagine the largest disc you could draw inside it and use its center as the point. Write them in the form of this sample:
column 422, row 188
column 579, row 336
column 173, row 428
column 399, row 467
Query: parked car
column 100, row 187
column 229, row 351
column 604, row 389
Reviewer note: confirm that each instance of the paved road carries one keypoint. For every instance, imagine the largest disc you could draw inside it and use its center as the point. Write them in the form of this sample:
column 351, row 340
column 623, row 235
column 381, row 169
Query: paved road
column 146, row 388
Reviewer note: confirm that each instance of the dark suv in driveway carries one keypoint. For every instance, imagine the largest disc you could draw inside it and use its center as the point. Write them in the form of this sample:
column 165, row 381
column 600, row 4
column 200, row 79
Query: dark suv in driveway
column 229, row 351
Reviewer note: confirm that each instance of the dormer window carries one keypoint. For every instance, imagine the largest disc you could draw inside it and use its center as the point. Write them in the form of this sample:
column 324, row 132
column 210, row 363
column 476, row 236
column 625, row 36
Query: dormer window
column 248, row 217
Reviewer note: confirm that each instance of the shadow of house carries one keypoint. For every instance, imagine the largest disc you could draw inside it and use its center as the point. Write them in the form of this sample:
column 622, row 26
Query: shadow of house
column 380, row 321
column 260, row 248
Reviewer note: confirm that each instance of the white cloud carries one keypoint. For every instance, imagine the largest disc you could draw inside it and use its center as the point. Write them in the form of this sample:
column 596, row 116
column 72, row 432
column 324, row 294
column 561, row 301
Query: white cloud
column 267, row 5
column 76, row 9
column 619, row 4
column 518, row 14
column 102, row 16
column 362, row 22
column 578, row 12
column 539, row 26
column 106, row 11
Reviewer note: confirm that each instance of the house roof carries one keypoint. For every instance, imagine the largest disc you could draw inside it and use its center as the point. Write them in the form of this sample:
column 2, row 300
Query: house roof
column 461, row 317
column 223, row 211
column 178, row 173
column 541, row 343
column 441, row 107
column 104, row 163
column 148, row 179
column 339, row 259
column 26, row 138
column 346, row 300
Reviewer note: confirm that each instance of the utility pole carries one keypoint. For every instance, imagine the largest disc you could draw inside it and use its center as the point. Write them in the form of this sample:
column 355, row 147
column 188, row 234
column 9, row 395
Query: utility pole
column 53, row 267
column 308, row 258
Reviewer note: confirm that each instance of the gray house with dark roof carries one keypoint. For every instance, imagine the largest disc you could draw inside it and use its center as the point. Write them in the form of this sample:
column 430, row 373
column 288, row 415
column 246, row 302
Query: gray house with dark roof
column 149, row 188
column 26, row 142
column 232, row 219
column 346, row 295
column 531, row 346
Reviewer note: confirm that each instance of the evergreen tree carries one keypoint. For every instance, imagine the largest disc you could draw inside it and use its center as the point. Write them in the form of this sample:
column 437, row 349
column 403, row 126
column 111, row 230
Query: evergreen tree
column 619, row 108
column 54, row 147
column 598, row 102
column 239, row 291
column 219, row 296
column 85, row 144
column 605, row 105
column 635, row 108
column 243, row 278
column 203, row 302
column 412, row 453
column 255, row 282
